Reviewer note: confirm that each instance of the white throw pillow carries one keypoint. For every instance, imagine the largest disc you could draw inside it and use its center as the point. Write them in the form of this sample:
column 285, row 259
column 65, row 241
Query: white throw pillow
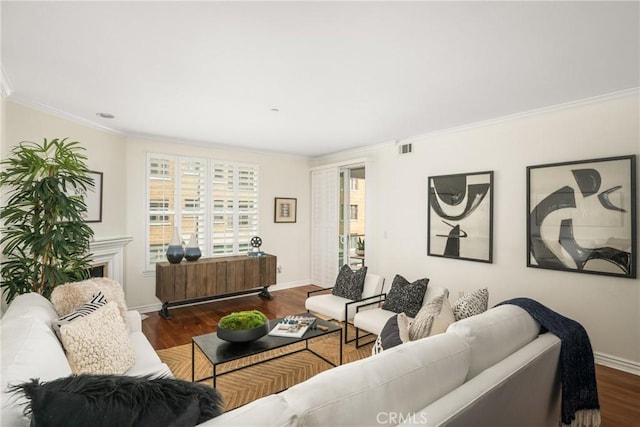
column 471, row 304
column 421, row 326
column 434, row 318
column 443, row 320
column 98, row 343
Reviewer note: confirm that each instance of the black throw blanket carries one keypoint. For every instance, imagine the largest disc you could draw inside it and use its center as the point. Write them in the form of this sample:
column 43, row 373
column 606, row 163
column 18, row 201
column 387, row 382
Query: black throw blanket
column 579, row 388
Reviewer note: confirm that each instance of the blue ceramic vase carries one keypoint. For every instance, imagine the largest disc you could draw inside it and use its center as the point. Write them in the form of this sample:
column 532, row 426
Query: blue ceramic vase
column 192, row 251
column 175, row 251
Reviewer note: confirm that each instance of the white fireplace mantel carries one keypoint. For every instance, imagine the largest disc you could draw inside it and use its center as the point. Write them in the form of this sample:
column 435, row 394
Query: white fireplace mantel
column 110, row 251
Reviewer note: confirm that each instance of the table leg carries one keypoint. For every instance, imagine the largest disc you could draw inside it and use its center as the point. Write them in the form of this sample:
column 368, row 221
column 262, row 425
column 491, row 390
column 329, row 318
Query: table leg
column 193, row 362
column 341, row 346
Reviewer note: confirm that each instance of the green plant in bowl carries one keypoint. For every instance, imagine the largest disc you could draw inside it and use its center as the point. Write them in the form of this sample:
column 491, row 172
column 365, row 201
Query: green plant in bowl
column 243, row 320
column 243, row 326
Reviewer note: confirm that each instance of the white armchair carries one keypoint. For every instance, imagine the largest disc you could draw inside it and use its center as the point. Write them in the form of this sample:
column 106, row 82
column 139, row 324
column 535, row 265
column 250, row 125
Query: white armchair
column 343, row 309
column 371, row 317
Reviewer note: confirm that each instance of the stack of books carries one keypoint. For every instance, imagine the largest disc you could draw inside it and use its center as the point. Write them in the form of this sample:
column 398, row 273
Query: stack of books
column 293, row 326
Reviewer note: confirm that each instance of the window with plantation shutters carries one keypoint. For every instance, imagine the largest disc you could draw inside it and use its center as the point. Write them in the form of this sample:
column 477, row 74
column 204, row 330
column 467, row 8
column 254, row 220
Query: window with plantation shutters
column 216, row 201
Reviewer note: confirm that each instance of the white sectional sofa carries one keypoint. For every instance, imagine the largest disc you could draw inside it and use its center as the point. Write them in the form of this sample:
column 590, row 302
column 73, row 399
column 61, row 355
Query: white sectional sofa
column 489, row 370
column 30, row 349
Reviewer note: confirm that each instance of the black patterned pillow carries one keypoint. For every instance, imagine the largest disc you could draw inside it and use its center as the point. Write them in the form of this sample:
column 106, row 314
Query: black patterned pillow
column 394, row 332
column 349, row 283
column 469, row 305
column 405, row 297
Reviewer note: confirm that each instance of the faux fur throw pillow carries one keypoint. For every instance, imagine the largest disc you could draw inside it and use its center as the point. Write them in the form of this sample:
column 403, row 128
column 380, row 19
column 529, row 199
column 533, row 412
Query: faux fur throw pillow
column 98, row 343
column 68, row 297
column 106, row 401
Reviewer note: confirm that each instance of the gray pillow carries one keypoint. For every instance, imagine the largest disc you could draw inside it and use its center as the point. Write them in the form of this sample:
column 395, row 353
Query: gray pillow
column 405, row 297
column 394, row 332
column 349, row 283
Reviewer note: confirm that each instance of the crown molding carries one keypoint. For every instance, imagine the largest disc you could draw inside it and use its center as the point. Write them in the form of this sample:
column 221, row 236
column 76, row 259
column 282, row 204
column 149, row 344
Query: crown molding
column 497, row 120
column 530, row 113
column 29, row 103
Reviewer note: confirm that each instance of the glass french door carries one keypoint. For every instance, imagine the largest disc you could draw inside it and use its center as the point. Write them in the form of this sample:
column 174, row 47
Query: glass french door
column 352, row 242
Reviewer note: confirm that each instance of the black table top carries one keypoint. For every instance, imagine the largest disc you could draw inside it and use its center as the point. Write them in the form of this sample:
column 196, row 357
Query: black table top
column 220, row 351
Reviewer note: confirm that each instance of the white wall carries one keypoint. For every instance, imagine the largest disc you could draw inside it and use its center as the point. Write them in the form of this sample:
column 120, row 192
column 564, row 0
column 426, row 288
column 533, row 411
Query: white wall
column 121, row 159
column 104, row 151
column 608, row 307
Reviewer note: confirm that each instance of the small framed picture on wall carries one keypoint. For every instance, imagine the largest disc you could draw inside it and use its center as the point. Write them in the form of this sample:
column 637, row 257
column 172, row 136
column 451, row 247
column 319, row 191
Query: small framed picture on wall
column 285, row 209
column 93, row 198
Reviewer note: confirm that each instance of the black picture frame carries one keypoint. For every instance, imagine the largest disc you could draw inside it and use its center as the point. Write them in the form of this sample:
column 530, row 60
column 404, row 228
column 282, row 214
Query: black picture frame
column 581, row 216
column 460, row 216
column 285, row 210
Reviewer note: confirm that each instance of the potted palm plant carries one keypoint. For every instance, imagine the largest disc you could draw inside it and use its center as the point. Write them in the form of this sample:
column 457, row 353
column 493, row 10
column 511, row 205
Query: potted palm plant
column 45, row 241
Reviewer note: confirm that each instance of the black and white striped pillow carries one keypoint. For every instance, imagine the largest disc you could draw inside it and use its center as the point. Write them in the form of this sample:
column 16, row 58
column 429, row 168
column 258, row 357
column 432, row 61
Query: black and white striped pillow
column 97, row 301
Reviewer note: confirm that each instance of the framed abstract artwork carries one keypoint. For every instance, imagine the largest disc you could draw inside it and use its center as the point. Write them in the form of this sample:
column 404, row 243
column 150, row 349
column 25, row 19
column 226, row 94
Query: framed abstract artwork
column 285, row 209
column 460, row 216
column 581, row 216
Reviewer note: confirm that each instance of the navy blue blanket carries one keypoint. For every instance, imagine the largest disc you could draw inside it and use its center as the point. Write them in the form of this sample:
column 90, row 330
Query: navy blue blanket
column 579, row 388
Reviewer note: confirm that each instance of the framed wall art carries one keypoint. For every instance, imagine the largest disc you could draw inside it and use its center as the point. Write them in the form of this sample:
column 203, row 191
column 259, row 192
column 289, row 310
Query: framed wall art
column 285, row 209
column 460, row 216
column 581, row 216
column 93, row 198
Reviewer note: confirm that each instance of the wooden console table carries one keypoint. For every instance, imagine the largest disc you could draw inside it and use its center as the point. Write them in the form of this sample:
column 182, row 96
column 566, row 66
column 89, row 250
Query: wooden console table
column 211, row 278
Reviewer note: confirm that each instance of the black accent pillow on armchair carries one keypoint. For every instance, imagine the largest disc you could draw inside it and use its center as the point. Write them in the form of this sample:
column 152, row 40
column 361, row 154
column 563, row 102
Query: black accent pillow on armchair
column 349, row 283
column 114, row 400
column 405, row 297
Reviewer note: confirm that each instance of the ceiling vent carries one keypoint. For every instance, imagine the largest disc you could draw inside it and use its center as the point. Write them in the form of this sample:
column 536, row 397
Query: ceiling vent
column 405, row 148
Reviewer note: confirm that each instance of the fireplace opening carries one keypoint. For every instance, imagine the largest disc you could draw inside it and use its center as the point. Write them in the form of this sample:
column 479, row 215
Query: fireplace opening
column 99, row 270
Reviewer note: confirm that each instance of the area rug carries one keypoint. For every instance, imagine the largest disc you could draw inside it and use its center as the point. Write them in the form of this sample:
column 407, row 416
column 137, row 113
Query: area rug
column 253, row 382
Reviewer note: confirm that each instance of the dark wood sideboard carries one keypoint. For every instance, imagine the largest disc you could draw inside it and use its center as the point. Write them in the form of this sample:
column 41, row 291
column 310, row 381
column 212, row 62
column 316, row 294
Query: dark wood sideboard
column 211, row 278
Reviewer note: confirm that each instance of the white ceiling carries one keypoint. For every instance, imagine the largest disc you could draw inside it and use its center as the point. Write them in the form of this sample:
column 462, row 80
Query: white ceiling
column 342, row 74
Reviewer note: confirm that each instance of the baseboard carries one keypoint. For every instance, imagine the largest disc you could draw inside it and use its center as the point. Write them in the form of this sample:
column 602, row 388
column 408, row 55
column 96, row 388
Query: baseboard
column 281, row 286
column 147, row 308
column 617, row 363
column 274, row 288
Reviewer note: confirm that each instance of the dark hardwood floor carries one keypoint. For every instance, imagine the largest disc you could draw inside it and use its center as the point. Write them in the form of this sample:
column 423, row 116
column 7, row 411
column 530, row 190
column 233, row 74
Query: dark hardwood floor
column 619, row 391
